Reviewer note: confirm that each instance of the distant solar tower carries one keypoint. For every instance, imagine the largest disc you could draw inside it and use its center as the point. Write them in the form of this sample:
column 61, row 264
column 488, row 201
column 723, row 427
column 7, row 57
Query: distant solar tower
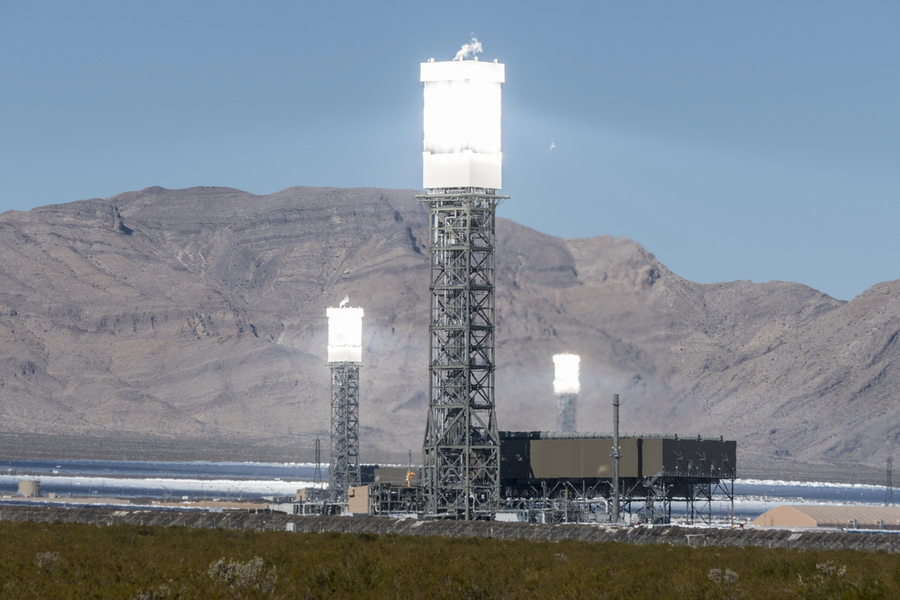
column 566, row 387
column 461, row 171
column 344, row 358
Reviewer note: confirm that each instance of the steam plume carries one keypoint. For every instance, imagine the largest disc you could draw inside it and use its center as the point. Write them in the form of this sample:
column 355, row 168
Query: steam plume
column 469, row 50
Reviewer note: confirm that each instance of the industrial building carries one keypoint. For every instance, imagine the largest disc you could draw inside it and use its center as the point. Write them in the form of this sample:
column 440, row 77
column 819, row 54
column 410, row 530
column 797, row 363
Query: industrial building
column 554, row 477
column 563, row 476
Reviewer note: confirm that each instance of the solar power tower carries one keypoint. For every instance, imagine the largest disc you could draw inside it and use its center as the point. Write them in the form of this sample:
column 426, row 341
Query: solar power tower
column 345, row 359
column 461, row 172
column 566, row 387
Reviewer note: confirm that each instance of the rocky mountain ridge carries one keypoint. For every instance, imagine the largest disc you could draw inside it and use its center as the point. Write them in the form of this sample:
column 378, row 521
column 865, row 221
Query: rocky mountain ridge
column 195, row 318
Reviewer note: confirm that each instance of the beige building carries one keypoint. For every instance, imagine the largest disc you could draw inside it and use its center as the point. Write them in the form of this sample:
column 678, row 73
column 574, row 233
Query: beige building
column 30, row 488
column 832, row 516
column 358, row 500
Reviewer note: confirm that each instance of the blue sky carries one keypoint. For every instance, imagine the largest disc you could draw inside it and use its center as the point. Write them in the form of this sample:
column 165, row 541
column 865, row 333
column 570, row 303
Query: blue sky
column 756, row 140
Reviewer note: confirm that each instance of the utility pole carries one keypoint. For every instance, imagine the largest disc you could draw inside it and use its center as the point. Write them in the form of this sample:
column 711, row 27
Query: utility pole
column 889, row 490
column 615, row 454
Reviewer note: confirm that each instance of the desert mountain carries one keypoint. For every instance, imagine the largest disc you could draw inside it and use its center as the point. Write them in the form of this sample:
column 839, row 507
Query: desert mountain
column 193, row 320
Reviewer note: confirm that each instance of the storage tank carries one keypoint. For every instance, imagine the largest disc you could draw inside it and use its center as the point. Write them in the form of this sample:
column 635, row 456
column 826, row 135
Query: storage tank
column 30, row 488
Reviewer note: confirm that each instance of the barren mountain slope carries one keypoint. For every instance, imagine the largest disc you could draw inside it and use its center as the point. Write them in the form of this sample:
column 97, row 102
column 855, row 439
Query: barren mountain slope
column 828, row 389
column 197, row 317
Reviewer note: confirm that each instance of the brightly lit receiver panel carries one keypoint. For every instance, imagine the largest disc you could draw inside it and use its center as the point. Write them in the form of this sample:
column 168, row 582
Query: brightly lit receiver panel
column 345, row 335
column 566, row 381
column 462, row 124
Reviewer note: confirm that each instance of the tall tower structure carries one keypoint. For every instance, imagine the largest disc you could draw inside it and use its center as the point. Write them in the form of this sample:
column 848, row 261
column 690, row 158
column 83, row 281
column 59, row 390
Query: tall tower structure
column 461, row 172
column 566, row 387
column 344, row 359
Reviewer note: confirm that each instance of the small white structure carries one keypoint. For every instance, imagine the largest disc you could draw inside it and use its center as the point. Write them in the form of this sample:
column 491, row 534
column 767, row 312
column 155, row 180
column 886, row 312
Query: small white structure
column 462, row 124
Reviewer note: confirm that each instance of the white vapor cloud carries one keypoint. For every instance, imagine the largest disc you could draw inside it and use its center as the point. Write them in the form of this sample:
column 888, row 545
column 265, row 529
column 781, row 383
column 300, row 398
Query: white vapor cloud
column 469, row 50
column 552, row 145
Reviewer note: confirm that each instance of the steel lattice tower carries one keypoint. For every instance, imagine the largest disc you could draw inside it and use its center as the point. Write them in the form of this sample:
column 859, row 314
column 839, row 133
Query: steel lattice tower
column 462, row 439
column 317, row 474
column 344, row 469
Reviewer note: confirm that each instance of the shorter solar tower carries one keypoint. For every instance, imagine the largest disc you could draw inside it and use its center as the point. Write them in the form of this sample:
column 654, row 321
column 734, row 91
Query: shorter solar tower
column 566, row 387
column 344, row 359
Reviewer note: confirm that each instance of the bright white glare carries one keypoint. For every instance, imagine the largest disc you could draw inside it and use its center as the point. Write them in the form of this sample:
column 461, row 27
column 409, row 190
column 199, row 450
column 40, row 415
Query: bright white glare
column 345, row 334
column 465, row 169
column 205, row 486
column 462, row 123
column 566, row 381
column 462, row 115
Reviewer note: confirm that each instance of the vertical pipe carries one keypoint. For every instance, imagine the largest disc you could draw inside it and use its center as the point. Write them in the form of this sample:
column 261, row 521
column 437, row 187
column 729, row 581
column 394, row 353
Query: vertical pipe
column 615, row 457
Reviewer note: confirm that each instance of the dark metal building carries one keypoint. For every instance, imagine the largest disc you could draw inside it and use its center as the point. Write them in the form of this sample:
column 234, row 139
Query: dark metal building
column 553, row 472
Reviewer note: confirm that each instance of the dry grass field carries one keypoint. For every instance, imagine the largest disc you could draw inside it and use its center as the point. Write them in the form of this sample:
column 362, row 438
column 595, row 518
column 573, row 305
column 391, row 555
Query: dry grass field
column 56, row 560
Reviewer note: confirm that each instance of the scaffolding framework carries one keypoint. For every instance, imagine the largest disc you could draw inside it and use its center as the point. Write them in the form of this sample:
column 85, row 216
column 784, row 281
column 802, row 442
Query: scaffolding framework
column 343, row 472
column 461, row 449
column 651, row 499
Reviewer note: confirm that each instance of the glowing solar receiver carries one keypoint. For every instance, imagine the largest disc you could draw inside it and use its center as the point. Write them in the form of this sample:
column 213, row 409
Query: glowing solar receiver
column 566, row 380
column 566, row 387
column 345, row 335
column 462, row 124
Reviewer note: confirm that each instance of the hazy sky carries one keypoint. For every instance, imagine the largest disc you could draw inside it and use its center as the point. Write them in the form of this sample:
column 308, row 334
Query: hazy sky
column 753, row 140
